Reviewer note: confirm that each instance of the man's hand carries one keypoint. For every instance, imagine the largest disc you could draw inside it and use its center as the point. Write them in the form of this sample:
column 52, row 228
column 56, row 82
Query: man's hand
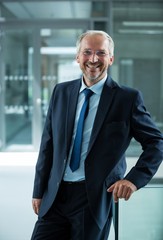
column 36, row 205
column 122, row 189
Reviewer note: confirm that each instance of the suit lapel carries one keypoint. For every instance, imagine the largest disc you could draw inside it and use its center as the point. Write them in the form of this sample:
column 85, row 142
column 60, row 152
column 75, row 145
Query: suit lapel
column 107, row 95
column 106, row 99
column 73, row 92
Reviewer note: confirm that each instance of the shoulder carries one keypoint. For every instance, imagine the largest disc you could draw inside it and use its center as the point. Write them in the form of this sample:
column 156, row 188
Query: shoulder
column 63, row 90
column 68, row 84
column 121, row 89
column 125, row 94
column 65, row 87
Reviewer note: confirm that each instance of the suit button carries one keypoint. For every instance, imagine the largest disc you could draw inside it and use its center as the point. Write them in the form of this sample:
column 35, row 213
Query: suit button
column 57, row 184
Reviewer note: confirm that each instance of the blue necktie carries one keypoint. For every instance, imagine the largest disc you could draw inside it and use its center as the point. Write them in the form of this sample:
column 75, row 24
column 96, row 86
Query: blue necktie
column 76, row 151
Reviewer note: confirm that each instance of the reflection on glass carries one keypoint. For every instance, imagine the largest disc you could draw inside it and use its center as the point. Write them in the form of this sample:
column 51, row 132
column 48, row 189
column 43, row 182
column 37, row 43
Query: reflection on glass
column 58, row 63
column 138, row 35
column 141, row 218
column 18, row 108
column 30, row 78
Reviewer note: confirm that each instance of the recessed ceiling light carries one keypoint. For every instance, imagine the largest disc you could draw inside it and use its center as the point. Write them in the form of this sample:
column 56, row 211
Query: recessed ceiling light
column 142, row 24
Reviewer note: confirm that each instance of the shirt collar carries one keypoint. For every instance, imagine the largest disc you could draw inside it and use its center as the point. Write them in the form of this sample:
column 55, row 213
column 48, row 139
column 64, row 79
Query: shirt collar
column 96, row 88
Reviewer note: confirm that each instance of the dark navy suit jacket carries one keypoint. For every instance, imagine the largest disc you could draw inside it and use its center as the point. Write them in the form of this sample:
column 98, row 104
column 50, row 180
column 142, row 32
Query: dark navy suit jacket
column 120, row 116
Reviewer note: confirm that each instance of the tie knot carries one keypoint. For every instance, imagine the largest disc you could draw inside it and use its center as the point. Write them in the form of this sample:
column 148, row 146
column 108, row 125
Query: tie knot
column 88, row 93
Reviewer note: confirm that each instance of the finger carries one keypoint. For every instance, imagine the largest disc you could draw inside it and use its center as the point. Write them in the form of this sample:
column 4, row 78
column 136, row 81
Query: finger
column 37, row 210
column 111, row 188
column 123, row 190
column 115, row 194
column 128, row 194
column 120, row 191
column 36, row 207
column 116, row 198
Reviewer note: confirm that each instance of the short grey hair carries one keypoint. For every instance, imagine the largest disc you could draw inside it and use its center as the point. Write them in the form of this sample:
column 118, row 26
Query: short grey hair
column 96, row 32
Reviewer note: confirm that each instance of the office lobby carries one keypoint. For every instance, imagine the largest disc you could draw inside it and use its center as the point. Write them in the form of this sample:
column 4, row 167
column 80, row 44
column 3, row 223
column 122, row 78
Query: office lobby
column 37, row 51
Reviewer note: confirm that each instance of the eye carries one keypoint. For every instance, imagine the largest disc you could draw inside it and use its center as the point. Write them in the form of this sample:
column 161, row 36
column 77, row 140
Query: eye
column 87, row 53
column 101, row 53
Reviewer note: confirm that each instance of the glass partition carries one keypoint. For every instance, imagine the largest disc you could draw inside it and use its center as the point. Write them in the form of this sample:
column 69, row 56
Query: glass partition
column 17, row 85
column 138, row 36
column 141, row 217
column 57, row 60
column 37, row 51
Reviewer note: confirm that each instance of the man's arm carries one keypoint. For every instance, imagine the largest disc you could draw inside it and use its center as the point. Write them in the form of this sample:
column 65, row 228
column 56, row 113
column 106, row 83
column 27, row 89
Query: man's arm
column 151, row 140
column 149, row 136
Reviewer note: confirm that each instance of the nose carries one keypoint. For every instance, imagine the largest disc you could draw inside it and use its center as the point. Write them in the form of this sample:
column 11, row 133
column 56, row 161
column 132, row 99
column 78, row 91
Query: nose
column 93, row 58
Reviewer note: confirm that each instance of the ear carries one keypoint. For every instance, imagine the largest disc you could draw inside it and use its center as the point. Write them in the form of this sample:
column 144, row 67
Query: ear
column 77, row 58
column 111, row 59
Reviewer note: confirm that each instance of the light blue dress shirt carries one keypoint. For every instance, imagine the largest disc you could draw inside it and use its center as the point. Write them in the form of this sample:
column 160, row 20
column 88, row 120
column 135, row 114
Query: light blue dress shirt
column 79, row 174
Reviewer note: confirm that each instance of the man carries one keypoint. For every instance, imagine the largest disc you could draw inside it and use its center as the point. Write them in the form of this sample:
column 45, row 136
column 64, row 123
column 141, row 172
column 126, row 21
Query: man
column 73, row 196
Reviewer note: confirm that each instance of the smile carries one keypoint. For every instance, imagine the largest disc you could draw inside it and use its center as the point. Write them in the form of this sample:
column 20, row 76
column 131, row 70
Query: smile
column 93, row 67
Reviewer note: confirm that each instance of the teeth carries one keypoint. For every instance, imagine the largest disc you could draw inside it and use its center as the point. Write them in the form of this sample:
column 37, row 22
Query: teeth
column 93, row 67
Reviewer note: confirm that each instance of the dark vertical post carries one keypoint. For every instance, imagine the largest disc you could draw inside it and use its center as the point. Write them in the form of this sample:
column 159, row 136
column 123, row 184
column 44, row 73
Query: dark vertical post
column 116, row 219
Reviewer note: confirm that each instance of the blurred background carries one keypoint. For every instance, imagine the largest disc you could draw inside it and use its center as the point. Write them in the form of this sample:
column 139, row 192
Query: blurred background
column 37, row 50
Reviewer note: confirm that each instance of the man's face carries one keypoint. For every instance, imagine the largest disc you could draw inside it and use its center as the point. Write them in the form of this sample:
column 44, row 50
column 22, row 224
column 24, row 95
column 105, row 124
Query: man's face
column 94, row 58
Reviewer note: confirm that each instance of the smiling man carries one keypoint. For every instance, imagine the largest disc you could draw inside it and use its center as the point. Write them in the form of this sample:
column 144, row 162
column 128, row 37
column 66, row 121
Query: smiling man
column 94, row 57
column 81, row 162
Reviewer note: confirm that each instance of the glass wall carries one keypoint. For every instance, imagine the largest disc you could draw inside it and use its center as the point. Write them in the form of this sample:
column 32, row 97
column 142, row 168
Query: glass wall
column 38, row 50
column 33, row 62
column 57, row 62
column 16, row 114
column 138, row 35
column 141, row 217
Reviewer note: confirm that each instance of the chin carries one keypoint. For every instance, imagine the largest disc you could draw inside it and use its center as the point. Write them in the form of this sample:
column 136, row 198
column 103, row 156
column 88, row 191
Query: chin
column 94, row 78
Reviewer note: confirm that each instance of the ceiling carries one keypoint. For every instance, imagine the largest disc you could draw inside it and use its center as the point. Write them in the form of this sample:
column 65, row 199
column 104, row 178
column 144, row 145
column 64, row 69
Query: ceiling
column 46, row 10
column 83, row 9
column 127, row 16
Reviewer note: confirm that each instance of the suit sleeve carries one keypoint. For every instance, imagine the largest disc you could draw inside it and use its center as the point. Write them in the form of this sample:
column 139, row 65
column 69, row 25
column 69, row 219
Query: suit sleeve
column 45, row 157
column 151, row 140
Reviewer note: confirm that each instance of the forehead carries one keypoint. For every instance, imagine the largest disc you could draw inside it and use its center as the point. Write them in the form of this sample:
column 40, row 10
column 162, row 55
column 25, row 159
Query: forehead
column 94, row 42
